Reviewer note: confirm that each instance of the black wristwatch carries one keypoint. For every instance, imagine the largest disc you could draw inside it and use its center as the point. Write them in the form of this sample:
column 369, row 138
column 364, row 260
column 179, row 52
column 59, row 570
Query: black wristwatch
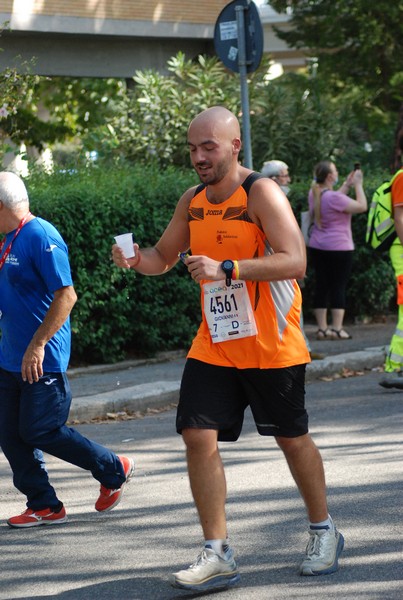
column 228, row 266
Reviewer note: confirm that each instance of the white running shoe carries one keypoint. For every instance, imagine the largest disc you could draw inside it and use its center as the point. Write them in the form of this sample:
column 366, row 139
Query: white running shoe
column 208, row 572
column 322, row 552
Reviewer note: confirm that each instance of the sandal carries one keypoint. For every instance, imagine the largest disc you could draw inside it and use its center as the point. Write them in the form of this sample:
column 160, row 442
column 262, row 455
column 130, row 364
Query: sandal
column 324, row 334
column 341, row 334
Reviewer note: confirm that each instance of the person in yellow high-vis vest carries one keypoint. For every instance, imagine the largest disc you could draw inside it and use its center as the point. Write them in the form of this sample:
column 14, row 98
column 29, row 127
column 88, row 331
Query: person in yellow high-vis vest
column 393, row 377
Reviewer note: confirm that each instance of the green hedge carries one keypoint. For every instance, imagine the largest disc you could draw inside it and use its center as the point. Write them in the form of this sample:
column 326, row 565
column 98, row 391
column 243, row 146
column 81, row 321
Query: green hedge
column 120, row 314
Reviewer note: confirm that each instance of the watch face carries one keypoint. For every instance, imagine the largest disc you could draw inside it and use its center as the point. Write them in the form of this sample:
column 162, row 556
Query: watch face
column 227, row 265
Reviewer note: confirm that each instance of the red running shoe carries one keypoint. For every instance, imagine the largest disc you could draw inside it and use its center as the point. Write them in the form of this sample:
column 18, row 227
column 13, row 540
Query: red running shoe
column 34, row 518
column 108, row 499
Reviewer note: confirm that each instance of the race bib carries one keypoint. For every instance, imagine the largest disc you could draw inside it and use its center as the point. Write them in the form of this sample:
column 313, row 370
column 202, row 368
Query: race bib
column 228, row 311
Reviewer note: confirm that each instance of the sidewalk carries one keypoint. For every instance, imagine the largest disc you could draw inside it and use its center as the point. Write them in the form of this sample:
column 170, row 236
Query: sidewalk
column 135, row 386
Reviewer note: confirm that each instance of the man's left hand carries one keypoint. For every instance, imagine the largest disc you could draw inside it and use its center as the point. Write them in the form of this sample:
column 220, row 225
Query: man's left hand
column 32, row 361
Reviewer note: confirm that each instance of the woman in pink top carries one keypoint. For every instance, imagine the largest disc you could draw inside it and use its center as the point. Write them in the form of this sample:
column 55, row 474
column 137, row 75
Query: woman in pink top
column 331, row 244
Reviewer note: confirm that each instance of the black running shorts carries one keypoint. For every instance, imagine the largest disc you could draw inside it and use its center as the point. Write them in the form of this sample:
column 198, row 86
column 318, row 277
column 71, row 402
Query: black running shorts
column 214, row 397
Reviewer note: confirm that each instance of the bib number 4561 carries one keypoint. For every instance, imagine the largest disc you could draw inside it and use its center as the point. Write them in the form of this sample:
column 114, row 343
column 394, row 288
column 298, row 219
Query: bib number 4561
column 228, row 311
column 221, row 304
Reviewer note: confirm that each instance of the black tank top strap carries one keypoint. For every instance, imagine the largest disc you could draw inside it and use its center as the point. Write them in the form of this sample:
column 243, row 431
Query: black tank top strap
column 247, row 184
column 199, row 188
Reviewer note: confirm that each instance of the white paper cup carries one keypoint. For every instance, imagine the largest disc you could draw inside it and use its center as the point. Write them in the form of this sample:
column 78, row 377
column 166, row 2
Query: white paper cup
column 125, row 242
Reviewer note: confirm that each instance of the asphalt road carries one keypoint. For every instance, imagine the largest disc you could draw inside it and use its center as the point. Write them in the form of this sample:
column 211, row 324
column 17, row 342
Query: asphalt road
column 129, row 552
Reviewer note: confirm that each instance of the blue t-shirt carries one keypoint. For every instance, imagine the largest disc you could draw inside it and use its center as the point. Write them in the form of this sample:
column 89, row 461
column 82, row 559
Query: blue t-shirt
column 36, row 267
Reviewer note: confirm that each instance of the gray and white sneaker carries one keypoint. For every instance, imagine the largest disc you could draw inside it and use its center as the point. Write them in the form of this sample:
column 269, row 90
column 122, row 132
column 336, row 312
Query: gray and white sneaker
column 322, row 552
column 208, row 572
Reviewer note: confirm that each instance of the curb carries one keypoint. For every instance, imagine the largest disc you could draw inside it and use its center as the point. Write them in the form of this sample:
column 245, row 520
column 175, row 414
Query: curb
column 369, row 358
column 126, row 364
column 163, row 393
column 129, row 399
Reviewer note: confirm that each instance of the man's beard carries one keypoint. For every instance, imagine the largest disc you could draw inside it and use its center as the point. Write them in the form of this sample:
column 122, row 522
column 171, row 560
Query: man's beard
column 217, row 174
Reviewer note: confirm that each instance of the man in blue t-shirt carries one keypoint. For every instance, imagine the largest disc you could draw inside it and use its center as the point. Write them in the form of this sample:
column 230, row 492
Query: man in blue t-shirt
column 36, row 298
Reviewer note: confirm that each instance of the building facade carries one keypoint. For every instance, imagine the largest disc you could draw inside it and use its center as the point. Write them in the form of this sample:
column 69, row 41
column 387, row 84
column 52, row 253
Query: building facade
column 114, row 38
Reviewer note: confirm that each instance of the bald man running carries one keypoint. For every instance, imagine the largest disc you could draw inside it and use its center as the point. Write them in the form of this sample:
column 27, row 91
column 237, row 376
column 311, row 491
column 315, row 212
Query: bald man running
column 246, row 253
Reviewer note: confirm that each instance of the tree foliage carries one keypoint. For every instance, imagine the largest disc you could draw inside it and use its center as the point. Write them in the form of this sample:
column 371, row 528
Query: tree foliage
column 293, row 118
column 16, row 88
column 298, row 123
column 155, row 114
column 81, row 105
column 332, row 112
column 357, row 43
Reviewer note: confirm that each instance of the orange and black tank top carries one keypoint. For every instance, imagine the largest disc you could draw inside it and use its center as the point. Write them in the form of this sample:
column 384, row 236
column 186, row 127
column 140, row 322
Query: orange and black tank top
column 225, row 231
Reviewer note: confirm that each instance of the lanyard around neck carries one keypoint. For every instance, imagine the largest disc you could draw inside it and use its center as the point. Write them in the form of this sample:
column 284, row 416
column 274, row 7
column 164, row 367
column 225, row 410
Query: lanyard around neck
column 17, row 231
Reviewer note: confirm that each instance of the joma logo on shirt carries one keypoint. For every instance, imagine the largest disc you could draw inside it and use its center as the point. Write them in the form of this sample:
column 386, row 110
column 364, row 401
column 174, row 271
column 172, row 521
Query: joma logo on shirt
column 214, row 212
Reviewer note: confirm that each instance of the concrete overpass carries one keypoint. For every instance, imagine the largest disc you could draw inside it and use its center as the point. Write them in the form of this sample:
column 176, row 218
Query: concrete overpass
column 113, row 38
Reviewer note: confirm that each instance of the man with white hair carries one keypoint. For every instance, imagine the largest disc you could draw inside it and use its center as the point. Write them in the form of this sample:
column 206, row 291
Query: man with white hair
column 278, row 171
column 37, row 295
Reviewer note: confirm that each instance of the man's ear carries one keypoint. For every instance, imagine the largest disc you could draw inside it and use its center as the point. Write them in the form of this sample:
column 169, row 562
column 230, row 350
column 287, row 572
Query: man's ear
column 236, row 145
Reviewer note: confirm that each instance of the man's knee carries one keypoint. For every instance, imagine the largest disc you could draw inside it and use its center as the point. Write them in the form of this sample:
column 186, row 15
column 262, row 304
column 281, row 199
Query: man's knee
column 292, row 445
column 29, row 437
column 200, row 440
column 33, row 436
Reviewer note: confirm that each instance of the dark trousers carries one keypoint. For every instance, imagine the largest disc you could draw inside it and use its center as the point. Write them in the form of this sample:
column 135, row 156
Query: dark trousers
column 33, row 419
column 332, row 272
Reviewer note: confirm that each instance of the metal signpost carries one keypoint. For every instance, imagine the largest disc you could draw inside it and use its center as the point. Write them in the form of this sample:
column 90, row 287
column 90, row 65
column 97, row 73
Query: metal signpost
column 238, row 41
